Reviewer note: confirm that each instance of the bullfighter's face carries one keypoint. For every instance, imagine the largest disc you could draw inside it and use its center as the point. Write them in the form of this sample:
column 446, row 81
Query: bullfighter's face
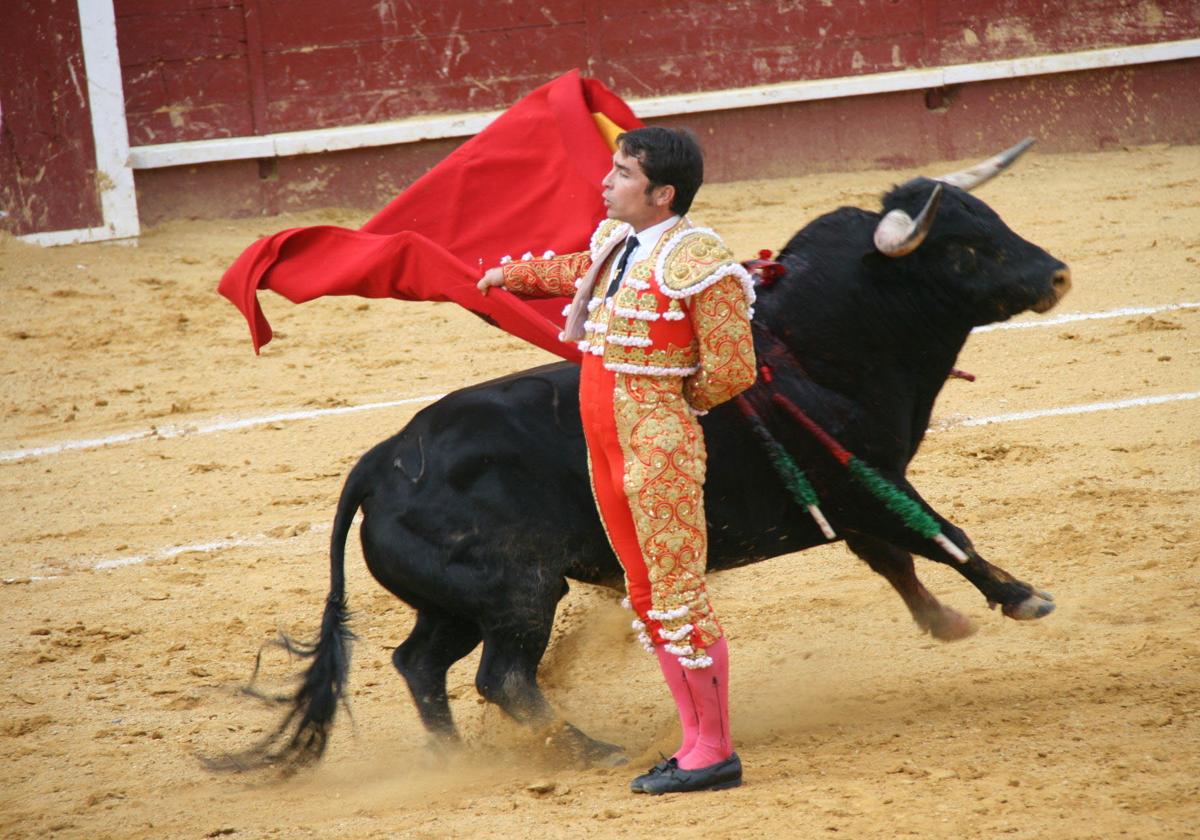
column 629, row 197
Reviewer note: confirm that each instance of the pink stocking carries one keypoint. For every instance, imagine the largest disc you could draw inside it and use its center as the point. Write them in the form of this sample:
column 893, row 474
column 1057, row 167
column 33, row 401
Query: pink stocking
column 709, row 695
column 689, row 718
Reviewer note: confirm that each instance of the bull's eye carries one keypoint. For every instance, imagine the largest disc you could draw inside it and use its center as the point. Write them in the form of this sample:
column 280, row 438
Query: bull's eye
column 966, row 260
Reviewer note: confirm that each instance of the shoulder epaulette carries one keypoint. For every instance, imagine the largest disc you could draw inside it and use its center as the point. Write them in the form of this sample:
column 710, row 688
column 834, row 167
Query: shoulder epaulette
column 605, row 232
column 693, row 260
column 688, row 259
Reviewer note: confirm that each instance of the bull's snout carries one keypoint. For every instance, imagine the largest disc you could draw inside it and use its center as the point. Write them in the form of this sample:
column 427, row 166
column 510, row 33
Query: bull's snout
column 1060, row 284
column 1061, row 281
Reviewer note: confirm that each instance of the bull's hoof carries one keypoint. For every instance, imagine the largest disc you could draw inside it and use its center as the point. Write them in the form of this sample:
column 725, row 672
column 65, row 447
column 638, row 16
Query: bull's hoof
column 1037, row 605
column 600, row 754
column 586, row 750
column 950, row 625
column 442, row 749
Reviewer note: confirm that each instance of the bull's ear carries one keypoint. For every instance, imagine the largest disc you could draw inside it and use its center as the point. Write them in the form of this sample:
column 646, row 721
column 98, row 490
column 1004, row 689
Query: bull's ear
column 970, row 178
column 898, row 233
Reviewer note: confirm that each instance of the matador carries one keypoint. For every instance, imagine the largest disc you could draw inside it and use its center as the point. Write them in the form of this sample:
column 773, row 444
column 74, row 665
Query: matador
column 661, row 312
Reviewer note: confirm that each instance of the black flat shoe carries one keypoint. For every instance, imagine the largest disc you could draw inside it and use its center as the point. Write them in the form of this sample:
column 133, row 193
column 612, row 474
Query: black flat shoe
column 666, row 764
column 720, row 776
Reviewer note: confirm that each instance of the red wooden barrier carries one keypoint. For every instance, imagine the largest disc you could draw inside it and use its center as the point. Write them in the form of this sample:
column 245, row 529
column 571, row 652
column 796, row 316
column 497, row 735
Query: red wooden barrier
column 191, row 66
column 47, row 155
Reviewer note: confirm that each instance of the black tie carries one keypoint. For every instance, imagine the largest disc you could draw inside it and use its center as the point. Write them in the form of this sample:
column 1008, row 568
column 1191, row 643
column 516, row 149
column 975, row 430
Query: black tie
column 630, row 246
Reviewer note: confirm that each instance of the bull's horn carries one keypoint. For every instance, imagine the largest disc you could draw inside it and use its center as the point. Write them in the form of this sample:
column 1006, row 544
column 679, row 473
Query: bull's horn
column 969, row 179
column 898, row 233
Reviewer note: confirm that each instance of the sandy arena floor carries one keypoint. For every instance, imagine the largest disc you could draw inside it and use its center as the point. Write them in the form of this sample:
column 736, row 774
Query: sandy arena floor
column 142, row 576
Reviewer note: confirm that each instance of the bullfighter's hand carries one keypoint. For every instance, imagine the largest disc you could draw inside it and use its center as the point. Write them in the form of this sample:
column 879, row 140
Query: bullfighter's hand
column 491, row 277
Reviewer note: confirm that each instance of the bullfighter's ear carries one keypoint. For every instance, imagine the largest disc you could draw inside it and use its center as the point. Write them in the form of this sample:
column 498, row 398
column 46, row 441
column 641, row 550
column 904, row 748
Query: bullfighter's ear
column 663, row 195
column 898, row 233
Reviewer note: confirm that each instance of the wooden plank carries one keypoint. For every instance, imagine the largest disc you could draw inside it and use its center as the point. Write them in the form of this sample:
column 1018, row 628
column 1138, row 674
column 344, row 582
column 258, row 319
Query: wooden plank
column 254, row 64
column 181, row 35
column 382, row 81
column 658, row 75
column 47, row 152
column 744, row 23
column 984, row 30
column 301, row 24
column 129, row 8
column 188, row 100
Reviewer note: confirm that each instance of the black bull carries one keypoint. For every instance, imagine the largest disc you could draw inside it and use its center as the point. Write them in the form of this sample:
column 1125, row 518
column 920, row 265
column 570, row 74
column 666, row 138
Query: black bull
column 478, row 512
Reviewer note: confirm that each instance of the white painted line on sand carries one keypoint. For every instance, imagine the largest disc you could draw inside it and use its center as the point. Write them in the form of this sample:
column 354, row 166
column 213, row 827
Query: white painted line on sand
column 265, row 539
column 174, row 431
column 1073, row 317
column 1089, row 408
column 209, row 547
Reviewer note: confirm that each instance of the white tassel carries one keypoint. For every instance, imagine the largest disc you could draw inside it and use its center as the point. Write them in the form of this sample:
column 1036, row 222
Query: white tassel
column 547, row 255
column 679, row 650
column 668, row 615
column 697, row 663
column 637, row 314
column 676, row 635
column 628, row 340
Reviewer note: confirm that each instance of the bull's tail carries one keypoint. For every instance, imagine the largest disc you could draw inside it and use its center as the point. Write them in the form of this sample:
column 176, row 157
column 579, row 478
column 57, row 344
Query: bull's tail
column 302, row 735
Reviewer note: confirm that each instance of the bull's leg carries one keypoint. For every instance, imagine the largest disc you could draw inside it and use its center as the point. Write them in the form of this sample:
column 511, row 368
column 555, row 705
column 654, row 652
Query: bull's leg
column 436, row 642
column 508, row 677
column 896, row 566
column 1016, row 598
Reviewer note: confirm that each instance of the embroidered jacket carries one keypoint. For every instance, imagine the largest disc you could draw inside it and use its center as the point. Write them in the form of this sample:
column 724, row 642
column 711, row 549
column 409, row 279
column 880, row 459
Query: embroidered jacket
column 685, row 311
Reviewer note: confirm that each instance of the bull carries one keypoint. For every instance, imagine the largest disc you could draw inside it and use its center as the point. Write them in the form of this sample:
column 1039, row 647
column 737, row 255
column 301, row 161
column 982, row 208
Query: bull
column 479, row 511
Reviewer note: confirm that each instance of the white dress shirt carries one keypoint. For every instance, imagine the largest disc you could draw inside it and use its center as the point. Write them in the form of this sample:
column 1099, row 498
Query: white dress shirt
column 647, row 242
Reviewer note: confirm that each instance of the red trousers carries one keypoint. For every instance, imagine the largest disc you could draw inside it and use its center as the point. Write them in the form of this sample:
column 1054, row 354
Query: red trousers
column 647, row 460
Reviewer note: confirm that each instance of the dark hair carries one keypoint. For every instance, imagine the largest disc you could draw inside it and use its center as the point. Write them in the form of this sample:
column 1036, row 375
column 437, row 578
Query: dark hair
column 669, row 157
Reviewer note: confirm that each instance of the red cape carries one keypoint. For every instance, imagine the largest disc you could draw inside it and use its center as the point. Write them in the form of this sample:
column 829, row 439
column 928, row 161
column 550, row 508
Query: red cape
column 530, row 181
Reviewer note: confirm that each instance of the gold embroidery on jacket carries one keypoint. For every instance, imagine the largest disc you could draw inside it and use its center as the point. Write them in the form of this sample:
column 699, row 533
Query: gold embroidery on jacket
column 693, row 259
column 722, row 328
column 671, row 357
column 665, row 463
column 548, row 277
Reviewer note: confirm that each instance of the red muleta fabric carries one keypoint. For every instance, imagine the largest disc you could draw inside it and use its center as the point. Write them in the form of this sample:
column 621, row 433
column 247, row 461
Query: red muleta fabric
column 530, row 181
